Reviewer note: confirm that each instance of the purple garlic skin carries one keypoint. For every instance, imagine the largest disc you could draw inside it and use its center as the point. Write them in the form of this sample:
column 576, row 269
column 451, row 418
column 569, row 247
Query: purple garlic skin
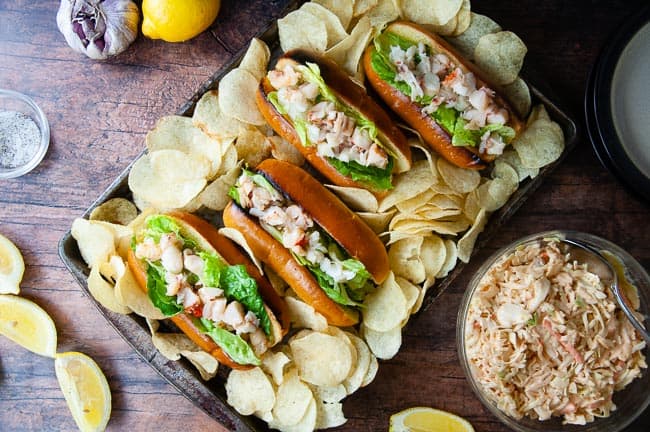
column 98, row 28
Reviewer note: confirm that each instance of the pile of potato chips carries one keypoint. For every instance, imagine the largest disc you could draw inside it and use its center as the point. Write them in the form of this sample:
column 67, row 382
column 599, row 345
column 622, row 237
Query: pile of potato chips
column 429, row 221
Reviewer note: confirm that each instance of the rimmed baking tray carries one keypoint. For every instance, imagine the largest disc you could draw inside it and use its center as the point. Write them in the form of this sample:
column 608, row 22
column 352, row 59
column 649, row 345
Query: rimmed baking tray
column 210, row 396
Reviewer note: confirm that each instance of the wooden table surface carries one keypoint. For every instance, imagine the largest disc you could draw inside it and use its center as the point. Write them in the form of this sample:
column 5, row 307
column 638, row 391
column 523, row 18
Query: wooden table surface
column 99, row 113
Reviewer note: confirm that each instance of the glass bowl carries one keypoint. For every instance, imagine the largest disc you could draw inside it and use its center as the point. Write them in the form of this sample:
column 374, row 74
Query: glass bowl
column 630, row 402
column 14, row 101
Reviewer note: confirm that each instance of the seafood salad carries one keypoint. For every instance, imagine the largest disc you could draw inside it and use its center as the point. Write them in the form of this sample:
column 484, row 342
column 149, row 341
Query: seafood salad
column 545, row 337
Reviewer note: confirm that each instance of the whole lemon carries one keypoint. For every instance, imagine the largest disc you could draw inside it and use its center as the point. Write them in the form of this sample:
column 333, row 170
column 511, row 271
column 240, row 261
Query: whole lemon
column 177, row 20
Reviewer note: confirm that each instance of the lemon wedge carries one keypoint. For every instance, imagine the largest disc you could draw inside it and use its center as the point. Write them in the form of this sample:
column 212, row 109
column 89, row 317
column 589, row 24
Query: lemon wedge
column 12, row 267
column 424, row 419
column 25, row 323
column 85, row 390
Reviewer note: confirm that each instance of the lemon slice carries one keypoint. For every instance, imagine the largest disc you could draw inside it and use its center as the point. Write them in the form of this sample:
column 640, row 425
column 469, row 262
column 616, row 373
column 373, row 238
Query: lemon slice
column 423, row 419
column 12, row 267
column 25, row 323
column 85, row 390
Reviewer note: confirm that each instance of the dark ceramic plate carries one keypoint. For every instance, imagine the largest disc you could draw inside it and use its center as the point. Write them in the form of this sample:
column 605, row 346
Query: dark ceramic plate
column 211, row 396
column 617, row 104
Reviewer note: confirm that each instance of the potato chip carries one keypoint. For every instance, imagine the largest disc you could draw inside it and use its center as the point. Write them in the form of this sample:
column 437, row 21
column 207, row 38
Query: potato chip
column 451, row 257
column 329, row 394
column 385, row 307
column 356, row 198
column 283, row 150
column 301, row 29
column 539, row 144
column 354, row 380
column 495, row 193
column 239, row 239
column 466, row 42
column 129, row 293
column 404, row 259
column 160, row 190
column 384, row 12
column 209, row 118
column 445, row 29
column 256, row 59
column 500, row 55
column 292, row 400
column 447, row 202
column 412, row 204
column 104, row 292
column 538, row 112
column 463, row 18
column 179, row 166
column 409, row 184
column 335, row 30
column 304, row 316
column 329, row 415
column 472, row 205
column 205, row 363
column 383, row 344
column 237, row 90
column 252, row 147
column 430, row 12
column 410, row 290
column 459, row 179
column 432, row 253
column 306, row 424
column 518, row 94
column 347, row 53
column 373, row 367
column 170, row 345
column 115, row 210
column 140, row 203
column 179, row 133
column 466, row 243
column 343, row 9
column 343, row 335
column 321, row 359
column 430, row 211
column 229, row 159
column 273, row 363
column 420, row 300
column 96, row 242
column 511, row 157
column 194, row 205
column 378, row 222
column 249, row 391
column 215, row 195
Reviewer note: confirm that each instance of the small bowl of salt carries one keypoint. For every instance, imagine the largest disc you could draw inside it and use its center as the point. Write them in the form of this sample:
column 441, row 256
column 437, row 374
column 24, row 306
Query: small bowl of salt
column 24, row 134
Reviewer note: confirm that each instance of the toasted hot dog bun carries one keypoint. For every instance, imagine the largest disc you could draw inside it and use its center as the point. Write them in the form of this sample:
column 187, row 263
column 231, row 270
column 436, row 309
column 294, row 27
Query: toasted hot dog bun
column 351, row 94
column 432, row 133
column 343, row 225
column 209, row 239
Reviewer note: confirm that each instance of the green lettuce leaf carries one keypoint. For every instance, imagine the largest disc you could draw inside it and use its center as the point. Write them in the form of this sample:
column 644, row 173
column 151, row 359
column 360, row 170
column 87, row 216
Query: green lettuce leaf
column 232, row 344
column 237, row 284
column 157, row 291
column 258, row 179
column 446, row 117
column 352, row 292
column 376, row 178
column 158, row 225
column 462, row 137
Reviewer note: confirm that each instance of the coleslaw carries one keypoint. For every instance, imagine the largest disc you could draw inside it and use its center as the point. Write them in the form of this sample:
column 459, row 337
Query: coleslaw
column 544, row 337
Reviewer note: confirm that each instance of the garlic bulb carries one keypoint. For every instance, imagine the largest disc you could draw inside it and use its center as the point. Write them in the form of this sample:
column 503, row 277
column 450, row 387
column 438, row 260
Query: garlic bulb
column 98, row 28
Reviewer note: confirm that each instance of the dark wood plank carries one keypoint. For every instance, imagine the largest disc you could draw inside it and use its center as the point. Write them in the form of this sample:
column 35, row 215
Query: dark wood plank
column 99, row 113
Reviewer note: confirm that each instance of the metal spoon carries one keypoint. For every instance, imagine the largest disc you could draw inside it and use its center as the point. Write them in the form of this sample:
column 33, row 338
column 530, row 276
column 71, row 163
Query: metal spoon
column 601, row 266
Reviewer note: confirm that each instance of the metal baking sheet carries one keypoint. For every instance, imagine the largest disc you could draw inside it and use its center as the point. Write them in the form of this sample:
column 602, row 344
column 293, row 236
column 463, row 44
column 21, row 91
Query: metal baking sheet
column 210, row 396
